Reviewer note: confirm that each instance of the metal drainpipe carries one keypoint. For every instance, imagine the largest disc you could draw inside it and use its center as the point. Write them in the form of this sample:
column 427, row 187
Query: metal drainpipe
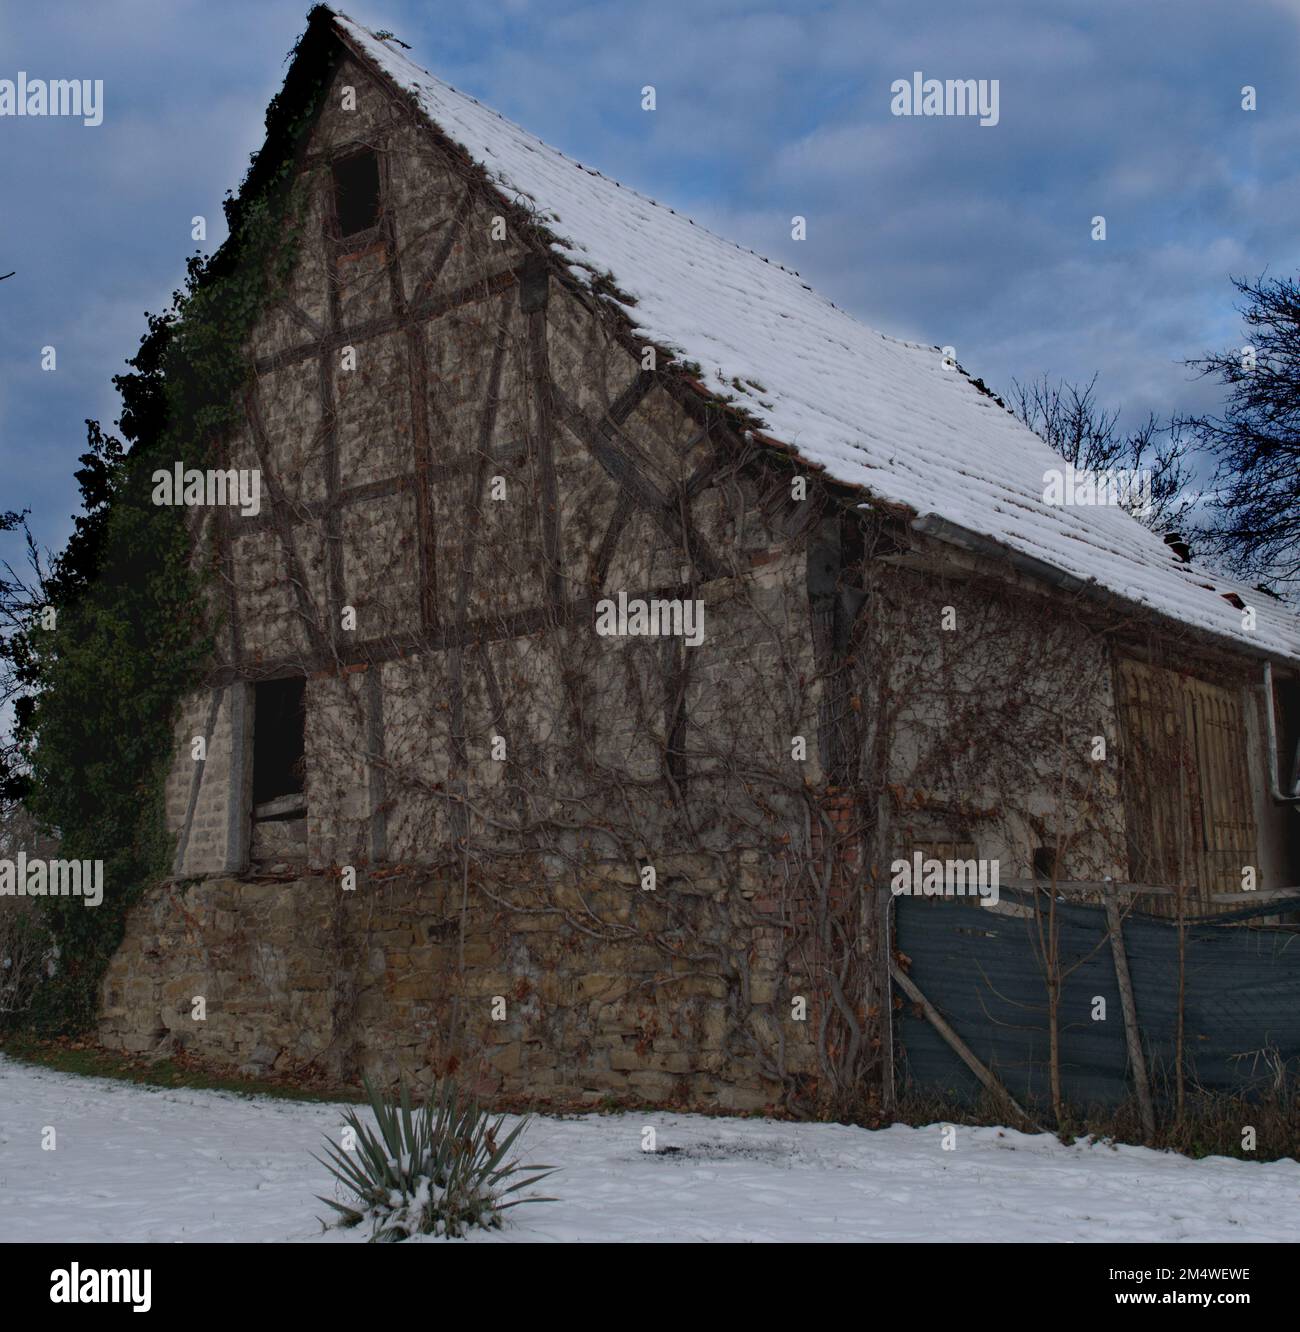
column 1274, row 782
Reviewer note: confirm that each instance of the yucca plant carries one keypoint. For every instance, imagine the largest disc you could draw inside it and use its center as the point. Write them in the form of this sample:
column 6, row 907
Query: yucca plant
column 438, row 1170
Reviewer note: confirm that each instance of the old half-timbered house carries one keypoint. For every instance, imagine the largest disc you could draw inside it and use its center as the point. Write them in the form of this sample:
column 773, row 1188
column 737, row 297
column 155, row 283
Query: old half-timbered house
column 617, row 614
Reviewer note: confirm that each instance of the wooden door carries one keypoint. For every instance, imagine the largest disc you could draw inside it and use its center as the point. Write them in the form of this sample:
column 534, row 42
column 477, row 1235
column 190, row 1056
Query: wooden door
column 1188, row 805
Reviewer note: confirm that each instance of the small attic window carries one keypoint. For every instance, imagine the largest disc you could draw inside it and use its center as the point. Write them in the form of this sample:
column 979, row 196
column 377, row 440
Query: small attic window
column 279, row 735
column 356, row 192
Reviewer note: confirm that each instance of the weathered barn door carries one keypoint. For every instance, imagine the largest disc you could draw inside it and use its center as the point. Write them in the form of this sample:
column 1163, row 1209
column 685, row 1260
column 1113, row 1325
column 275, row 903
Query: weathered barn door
column 1188, row 803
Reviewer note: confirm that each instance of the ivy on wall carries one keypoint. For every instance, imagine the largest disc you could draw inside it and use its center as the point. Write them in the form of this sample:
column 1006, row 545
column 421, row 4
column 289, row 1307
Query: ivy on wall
column 132, row 634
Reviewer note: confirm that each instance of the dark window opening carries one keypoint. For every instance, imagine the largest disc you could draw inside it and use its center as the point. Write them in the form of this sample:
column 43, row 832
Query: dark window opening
column 1045, row 866
column 279, row 736
column 356, row 192
column 1287, row 711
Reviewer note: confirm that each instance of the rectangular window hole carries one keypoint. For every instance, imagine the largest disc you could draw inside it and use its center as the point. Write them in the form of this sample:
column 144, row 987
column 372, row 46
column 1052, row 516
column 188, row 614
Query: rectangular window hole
column 356, row 192
column 279, row 748
column 1046, row 868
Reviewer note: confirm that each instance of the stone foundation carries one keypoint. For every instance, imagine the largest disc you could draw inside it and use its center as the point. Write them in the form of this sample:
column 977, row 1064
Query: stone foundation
column 305, row 979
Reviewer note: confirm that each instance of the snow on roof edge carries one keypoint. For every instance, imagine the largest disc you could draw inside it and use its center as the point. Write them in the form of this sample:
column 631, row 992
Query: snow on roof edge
column 890, row 417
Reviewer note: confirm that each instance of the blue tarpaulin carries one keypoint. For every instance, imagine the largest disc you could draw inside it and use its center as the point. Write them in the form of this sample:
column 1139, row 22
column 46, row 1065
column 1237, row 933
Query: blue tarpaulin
column 982, row 970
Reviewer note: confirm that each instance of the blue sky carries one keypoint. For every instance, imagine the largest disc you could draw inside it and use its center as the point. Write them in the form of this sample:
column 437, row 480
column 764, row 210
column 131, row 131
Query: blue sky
column 937, row 229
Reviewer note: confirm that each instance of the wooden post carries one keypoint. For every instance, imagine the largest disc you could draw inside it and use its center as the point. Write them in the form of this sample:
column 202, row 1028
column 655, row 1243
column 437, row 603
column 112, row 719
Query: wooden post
column 1132, row 1038
column 1181, row 1101
column 882, row 909
column 959, row 1047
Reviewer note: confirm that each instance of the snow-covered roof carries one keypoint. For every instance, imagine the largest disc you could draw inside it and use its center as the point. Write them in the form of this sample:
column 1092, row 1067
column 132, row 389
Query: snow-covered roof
column 873, row 411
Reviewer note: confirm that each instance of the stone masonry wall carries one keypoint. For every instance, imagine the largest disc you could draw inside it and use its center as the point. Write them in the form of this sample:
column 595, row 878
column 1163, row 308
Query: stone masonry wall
column 306, row 978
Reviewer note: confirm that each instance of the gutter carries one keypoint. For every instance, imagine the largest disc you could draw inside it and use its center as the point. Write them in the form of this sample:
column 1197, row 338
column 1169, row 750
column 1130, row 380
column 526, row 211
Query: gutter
column 1291, row 797
column 975, row 543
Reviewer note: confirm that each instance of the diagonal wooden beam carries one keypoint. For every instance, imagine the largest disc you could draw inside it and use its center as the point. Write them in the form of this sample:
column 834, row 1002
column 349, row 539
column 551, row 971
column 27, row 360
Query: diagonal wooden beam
column 955, row 1042
column 303, row 319
column 455, row 224
column 618, row 520
column 604, row 441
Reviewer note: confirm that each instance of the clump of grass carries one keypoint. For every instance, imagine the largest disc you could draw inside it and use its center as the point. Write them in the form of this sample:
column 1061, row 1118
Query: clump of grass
column 1212, row 1122
column 443, row 1169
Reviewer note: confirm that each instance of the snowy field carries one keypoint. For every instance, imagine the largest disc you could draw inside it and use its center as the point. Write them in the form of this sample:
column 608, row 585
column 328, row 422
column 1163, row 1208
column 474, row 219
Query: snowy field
column 132, row 1163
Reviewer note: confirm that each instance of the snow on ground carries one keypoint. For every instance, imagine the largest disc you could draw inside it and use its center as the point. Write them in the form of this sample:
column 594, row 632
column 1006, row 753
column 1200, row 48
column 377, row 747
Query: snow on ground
column 134, row 1163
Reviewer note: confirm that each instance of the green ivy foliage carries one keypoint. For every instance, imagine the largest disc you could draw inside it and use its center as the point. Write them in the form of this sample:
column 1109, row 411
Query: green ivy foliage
column 134, row 628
